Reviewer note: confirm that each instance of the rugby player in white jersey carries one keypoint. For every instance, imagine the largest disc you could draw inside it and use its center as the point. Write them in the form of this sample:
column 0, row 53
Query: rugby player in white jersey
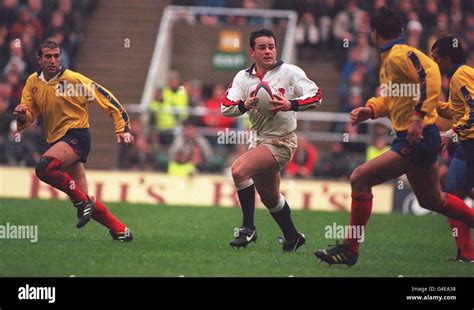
column 275, row 141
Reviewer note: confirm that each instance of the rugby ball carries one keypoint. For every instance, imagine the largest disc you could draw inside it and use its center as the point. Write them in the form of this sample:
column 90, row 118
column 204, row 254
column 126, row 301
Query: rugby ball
column 264, row 92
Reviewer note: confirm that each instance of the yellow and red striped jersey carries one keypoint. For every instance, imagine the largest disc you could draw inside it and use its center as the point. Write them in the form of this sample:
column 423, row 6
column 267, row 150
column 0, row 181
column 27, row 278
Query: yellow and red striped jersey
column 63, row 103
column 410, row 82
column 461, row 101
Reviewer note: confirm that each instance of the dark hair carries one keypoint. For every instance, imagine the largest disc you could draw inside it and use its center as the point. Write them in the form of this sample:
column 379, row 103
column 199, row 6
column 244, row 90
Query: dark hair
column 46, row 44
column 450, row 47
column 387, row 23
column 260, row 33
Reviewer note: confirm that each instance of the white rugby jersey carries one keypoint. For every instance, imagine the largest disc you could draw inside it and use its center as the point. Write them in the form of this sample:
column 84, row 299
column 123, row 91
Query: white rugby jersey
column 289, row 80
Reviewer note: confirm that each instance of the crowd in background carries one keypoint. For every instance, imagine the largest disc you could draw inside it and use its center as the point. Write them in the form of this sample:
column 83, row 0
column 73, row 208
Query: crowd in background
column 184, row 144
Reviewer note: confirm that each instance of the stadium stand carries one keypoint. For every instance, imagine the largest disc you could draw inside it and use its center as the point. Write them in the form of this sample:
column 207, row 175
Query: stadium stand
column 97, row 37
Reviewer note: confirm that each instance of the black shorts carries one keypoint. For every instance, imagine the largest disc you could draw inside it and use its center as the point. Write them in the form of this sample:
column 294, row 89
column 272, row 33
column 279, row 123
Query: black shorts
column 423, row 153
column 80, row 141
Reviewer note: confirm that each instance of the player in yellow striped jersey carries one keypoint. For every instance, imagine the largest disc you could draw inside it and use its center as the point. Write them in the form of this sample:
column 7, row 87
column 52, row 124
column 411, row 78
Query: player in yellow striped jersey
column 411, row 85
column 448, row 53
column 62, row 96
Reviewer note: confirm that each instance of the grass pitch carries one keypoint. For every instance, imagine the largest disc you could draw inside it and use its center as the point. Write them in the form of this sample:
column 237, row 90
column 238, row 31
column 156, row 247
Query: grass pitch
column 175, row 241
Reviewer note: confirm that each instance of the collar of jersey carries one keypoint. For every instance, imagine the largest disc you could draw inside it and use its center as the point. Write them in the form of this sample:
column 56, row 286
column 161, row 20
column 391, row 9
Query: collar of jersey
column 454, row 69
column 41, row 75
column 252, row 69
column 390, row 44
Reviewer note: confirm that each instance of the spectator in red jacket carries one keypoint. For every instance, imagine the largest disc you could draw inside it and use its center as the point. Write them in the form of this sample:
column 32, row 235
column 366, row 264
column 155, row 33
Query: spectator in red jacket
column 304, row 160
column 214, row 117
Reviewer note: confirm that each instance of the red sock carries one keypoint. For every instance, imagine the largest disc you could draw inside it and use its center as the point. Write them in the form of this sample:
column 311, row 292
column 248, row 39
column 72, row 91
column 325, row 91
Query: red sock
column 49, row 171
column 455, row 208
column 462, row 235
column 103, row 216
column 361, row 208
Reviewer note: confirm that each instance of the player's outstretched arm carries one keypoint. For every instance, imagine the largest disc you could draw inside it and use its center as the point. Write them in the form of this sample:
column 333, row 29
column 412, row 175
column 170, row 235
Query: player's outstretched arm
column 360, row 115
column 112, row 106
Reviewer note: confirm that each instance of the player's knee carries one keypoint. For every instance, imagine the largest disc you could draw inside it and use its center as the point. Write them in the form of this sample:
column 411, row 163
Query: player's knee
column 44, row 164
column 356, row 179
column 238, row 172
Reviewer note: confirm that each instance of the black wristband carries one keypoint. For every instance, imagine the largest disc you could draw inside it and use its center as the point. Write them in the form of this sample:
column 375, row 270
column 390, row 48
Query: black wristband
column 294, row 105
column 242, row 107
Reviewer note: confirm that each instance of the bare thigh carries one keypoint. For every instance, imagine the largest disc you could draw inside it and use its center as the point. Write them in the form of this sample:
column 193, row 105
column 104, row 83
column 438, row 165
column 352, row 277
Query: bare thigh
column 63, row 152
column 425, row 185
column 376, row 171
column 257, row 161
